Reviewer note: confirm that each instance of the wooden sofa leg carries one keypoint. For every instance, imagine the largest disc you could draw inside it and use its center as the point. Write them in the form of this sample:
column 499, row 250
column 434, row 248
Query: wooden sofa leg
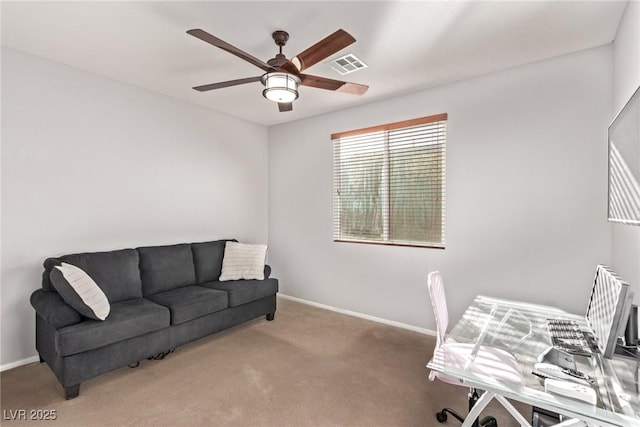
column 72, row 392
column 41, row 359
column 271, row 316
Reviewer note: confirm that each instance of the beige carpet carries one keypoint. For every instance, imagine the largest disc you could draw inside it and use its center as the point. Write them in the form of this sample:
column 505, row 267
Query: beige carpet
column 307, row 367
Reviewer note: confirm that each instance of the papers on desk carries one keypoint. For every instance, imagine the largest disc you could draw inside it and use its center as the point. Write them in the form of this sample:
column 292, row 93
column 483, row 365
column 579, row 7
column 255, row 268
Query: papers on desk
column 571, row 389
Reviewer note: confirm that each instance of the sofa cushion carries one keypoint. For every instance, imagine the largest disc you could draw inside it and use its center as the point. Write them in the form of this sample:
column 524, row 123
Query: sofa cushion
column 244, row 291
column 243, row 261
column 163, row 268
column 207, row 257
column 190, row 302
column 115, row 272
column 80, row 291
column 128, row 319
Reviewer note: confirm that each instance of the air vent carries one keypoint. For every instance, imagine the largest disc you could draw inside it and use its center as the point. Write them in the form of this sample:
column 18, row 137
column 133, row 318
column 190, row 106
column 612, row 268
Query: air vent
column 347, row 64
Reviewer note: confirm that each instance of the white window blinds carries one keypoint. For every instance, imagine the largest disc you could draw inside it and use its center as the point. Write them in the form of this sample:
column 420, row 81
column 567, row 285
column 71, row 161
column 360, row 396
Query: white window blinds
column 389, row 183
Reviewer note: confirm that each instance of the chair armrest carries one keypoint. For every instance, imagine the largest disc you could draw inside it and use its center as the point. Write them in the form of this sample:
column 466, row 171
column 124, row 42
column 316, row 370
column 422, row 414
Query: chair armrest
column 267, row 271
column 53, row 310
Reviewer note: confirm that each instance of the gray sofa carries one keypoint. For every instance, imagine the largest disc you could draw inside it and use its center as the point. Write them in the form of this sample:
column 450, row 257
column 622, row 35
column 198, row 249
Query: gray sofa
column 161, row 297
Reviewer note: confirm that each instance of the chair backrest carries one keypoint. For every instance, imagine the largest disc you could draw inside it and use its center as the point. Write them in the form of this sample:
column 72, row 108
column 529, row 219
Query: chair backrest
column 439, row 304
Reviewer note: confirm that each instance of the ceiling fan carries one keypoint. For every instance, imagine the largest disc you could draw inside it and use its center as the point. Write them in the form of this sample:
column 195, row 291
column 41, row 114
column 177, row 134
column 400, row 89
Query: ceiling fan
column 283, row 76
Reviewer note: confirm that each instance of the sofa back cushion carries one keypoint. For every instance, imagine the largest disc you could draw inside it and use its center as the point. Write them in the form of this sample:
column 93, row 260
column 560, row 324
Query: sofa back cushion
column 115, row 272
column 208, row 257
column 163, row 268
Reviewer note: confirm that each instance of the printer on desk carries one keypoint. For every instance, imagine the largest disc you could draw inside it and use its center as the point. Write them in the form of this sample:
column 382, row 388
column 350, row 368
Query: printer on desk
column 630, row 347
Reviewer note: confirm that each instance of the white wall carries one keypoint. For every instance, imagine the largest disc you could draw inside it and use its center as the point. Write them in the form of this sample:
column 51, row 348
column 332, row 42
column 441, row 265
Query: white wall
column 526, row 195
column 626, row 79
column 90, row 164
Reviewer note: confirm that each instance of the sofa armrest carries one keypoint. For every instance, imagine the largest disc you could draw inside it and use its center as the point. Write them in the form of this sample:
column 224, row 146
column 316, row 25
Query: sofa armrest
column 53, row 310
column 267, row 271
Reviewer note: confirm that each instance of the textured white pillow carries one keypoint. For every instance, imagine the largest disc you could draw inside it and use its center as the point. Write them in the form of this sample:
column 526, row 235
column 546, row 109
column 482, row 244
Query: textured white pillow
column 243, row 261
column 80, row 291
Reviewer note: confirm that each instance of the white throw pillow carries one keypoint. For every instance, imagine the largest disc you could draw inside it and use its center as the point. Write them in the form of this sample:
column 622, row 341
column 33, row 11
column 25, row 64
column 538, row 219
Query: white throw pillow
column 80, row 291
column 243, row 261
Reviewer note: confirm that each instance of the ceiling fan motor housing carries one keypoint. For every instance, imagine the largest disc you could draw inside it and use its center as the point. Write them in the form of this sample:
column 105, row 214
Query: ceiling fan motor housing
column 278, row 60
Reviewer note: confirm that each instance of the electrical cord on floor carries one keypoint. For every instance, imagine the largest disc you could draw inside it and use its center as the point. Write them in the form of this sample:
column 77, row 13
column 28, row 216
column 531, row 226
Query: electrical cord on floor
column 161, row 355
column 158, row 356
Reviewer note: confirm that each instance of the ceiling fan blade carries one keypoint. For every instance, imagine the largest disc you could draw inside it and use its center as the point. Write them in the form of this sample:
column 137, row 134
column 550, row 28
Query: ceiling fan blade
column 213, row 40
column 220, row 85
column 330, row 84
column 285, row 106
column 323, row 49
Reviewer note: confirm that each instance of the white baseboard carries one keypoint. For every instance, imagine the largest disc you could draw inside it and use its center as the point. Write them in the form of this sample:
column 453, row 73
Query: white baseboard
column 17, row 363
column 360, row 315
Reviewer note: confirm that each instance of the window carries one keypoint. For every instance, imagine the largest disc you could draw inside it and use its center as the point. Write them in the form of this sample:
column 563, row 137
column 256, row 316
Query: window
column 388, row 183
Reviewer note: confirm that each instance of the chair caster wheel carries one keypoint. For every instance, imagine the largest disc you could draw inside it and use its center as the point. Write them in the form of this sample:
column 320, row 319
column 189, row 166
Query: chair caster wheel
column 441, row 416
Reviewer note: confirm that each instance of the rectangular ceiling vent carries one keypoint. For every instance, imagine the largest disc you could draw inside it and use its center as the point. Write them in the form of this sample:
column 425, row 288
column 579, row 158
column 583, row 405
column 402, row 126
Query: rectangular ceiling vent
column 347, row 64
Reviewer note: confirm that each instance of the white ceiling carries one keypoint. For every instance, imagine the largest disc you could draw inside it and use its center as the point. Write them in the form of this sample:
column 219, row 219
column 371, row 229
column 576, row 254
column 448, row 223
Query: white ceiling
column 407, row 45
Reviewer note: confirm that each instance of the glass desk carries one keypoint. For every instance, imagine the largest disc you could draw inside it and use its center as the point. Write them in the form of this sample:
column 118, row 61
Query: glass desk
column 521, row 329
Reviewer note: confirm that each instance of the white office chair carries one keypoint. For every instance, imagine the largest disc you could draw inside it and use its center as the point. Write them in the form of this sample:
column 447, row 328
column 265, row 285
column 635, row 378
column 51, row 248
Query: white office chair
column 488, row 361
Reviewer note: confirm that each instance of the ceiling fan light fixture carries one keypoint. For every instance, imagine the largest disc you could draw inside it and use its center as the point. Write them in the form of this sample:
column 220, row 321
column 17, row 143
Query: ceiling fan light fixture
column 280, row 87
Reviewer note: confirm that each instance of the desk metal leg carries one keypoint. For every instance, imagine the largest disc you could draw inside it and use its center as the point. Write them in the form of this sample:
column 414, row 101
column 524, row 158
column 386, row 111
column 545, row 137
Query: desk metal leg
column 477, row 408
column 482, row 403
column 513, row 411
